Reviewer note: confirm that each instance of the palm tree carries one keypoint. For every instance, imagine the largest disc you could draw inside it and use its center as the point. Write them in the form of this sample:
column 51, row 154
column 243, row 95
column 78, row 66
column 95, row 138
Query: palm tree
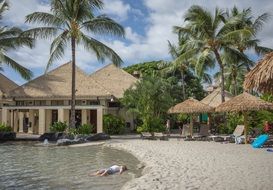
column 208, row 35
column 234, row 71
column 11, row 39
column 243, row 19
column 68, row 20
column 185, row 65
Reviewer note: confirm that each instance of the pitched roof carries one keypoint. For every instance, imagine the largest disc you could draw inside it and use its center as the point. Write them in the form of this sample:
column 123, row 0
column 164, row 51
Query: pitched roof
column 214, row 99
column 6, row 84
column 114, row 79
column 57, row 83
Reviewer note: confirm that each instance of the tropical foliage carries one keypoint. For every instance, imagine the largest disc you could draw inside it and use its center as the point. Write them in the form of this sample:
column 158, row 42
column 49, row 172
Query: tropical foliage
column 67, row 22
column 161, row 69
column 211, row 37
column 11, row 39
column 58, row 127
column 5, row 128
column 150, row 98
column 113, row 125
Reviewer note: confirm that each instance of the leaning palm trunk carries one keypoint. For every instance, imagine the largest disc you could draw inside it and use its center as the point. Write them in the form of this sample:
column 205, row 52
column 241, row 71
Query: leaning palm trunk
column 73, row 91
column 183, row 85
column 218, row 58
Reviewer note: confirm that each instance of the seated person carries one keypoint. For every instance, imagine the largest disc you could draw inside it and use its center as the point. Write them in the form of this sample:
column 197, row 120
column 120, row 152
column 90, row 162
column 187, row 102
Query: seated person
column 111, row 170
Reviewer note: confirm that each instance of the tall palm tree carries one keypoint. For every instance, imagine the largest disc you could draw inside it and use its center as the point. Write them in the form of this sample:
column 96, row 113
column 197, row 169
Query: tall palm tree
column 11, row 39
column 234, row 71
column 208, row 34
column 243, row 19
column 69, row 19
column 185, row 65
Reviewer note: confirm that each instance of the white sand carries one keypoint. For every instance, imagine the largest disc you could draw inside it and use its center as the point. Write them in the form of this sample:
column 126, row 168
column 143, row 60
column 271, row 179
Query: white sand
column 199, row 165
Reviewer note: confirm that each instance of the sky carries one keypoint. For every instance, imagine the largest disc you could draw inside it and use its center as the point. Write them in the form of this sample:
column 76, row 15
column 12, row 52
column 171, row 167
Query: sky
column 148, row 25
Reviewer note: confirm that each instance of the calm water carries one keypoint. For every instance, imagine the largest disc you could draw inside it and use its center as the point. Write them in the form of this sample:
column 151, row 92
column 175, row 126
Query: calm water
column 28, row 166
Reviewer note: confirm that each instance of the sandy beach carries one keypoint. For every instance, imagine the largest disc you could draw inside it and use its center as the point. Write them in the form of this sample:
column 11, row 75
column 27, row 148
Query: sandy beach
column 177, row 164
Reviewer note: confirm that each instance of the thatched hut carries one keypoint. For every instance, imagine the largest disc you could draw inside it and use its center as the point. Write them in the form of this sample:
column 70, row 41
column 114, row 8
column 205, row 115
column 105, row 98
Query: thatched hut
column 214, row 99
column 260, row 78
column 191, row 106
column 244, row 102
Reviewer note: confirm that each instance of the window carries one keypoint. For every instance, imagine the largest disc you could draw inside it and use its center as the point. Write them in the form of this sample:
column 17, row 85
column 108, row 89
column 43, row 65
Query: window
column 20, row 103
column 57, row 102
column 93, row 102
column 54, row 116
column 39, row 102
column 113, row 104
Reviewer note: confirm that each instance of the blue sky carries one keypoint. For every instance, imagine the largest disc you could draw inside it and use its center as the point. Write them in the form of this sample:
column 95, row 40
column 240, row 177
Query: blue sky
column 148, row 25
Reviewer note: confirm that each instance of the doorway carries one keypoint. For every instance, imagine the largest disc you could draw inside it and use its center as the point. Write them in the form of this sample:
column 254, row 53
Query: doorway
column 93, row 119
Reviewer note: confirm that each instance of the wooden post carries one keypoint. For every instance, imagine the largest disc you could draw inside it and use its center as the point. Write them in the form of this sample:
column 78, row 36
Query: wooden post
column 191, row 125
column 246, row 127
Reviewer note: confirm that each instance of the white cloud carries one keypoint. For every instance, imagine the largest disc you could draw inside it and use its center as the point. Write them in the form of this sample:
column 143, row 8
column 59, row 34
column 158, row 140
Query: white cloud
column 152, row 45
column 116, row 8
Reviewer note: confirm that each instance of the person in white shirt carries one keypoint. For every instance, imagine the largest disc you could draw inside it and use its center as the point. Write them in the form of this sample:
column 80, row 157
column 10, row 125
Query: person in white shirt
column 111, row 170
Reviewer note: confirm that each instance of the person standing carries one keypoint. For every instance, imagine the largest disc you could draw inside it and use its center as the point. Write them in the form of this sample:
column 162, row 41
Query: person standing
column 168, row 126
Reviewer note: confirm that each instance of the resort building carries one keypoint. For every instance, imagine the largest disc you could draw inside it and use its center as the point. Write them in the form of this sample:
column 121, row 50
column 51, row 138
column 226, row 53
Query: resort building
column 6, row 85
column 46, row 99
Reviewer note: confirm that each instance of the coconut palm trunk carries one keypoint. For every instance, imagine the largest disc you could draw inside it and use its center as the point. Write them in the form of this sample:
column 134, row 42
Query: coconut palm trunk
column 183, row 84
column 73, row 83
column 219, row 60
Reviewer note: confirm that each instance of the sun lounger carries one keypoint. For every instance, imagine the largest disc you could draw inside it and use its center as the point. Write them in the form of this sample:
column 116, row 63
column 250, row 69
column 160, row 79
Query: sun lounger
column 185, row 131
column 160, row 136
column 203, row 133
column 237, row 133
column 146, row 135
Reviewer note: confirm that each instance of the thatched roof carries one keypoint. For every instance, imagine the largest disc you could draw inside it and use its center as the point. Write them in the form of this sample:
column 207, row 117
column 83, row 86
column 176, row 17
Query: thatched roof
column 260, row 78
column 214, row 99
column 114, row 79
column 57, row 84
column 244, row 102
column 6, row 84
column 191, row 106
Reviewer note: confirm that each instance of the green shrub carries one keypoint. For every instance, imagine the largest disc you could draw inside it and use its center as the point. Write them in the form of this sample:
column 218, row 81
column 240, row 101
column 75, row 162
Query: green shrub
column 5, row 128
column 152, row 125
column 72, row 132
column 85, row 129
column 58, row 127
column 113, row 125
column 234, row 119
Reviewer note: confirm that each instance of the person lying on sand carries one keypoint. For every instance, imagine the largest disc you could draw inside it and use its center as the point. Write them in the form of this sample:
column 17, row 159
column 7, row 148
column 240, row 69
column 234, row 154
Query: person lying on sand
column 111, row 170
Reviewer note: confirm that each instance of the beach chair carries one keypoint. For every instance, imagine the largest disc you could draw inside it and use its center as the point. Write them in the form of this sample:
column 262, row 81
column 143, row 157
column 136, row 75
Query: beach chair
column 186, row 131
column 160, row 136
column 146, row 135
column 203, row 133
column 237, row 134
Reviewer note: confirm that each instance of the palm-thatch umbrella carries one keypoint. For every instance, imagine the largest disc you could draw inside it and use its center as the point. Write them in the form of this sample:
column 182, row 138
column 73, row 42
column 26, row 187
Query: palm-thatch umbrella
column 244, row 102
column 260, row 78
column 191, row 106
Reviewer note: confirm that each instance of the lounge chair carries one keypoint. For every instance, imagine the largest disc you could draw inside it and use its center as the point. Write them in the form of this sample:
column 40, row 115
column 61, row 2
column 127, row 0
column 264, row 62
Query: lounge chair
column 203, row 133
column 160, row 136
column 237, row 133
column 186, row 131
column 146, row 135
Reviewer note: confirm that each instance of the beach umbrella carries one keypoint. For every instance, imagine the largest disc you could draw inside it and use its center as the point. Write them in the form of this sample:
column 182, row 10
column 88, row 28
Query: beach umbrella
column 260, row 78
column 244, row 102
column 191, row 106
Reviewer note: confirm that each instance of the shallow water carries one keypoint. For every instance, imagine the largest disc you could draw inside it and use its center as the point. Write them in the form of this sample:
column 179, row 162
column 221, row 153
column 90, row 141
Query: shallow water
column 28, row 166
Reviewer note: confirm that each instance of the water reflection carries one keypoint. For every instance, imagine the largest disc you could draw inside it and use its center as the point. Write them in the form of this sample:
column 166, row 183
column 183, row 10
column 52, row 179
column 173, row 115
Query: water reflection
column 25, row 166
